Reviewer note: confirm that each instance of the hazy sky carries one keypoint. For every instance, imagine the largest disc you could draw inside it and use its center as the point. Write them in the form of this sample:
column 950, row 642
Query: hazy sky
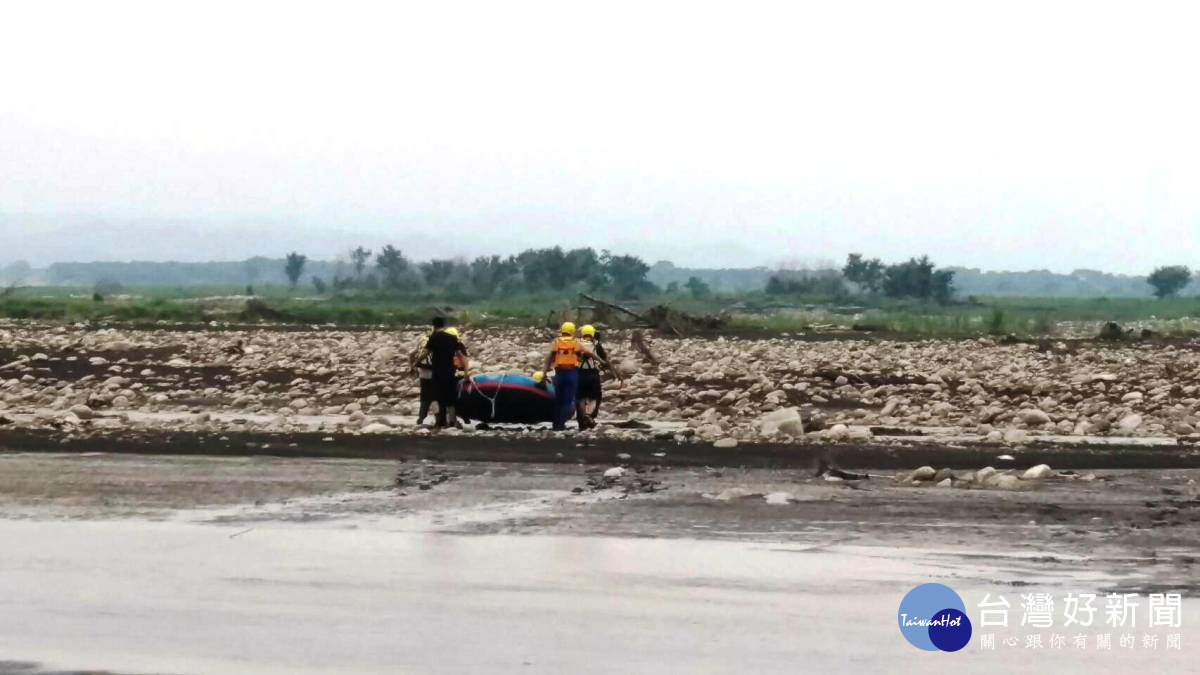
column 1001, row 134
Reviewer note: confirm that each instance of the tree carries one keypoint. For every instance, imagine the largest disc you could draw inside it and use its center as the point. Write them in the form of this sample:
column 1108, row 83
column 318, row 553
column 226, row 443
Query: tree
column 583, row 267
column 868, row 274
column 823, row 283
column 626, row 274
column 359, row 257
column 1168, row 281
column 392, row 265
column 438, row 272
column 544, row 268
column 489, row 274
column 917, row 278
column 698, row 288
column 294, row 267
column 943, row 286
column 319, row 284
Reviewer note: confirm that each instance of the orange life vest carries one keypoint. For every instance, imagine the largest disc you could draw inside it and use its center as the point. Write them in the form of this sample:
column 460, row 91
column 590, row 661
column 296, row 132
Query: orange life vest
column 566, row 353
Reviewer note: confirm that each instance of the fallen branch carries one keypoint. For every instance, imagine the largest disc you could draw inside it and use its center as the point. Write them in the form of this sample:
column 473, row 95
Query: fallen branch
column 623, row 310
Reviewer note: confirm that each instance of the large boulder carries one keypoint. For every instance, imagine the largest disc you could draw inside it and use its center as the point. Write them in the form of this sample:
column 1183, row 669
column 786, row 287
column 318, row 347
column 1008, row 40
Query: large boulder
column 1038, row 472
column 786, row 421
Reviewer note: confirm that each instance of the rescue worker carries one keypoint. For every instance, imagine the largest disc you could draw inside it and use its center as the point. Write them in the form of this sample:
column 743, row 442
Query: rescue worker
column 446, row 355
column 589, row 393
column 564, row 358
column 421, row 364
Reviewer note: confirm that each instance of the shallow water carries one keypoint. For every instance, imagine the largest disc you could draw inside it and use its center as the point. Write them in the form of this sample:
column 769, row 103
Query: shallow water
column 187, row 597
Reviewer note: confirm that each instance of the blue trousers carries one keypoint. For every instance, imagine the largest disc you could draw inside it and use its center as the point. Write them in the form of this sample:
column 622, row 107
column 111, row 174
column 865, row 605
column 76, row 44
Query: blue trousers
column 566, row 383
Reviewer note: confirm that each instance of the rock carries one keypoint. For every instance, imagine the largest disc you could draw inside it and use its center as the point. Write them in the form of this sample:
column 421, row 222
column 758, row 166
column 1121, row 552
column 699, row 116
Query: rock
column 924, row 473
column 889, row 407
column 838, row 432
column 1034, row 417
column 942, row 475
column 983, row 474
column 726, row 443
column 384, row 355
column 779, row 498
column 298, row 404
column 376, row 428
column 1038, row 472
column 614, row 473
column 857, row 433
column 1015, row 436
column 83, row 412
column 624, row 456
column 945, row 483
column 1130, row 422
column 793, row 428
column 786, row 421
column 120, row 402
column 1003, row 481
column 1133, row 396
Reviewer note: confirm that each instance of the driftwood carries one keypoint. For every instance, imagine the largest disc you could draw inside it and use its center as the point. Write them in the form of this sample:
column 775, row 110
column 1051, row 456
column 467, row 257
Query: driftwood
column 609, row 305
column 639, row 343
column 659, row 317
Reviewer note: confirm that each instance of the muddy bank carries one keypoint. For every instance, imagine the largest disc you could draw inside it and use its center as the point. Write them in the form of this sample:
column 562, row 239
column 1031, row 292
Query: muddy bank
column 1140, row 521
column 570, row 449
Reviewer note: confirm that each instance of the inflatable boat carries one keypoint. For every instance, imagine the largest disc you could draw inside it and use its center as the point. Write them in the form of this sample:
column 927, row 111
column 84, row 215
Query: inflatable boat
column 505, row 398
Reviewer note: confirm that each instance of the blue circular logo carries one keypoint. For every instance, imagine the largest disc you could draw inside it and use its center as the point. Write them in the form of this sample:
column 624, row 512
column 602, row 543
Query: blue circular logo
column 932, row 617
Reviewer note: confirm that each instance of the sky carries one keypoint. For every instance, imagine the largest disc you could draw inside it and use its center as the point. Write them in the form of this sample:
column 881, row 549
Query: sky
column 1014, row 135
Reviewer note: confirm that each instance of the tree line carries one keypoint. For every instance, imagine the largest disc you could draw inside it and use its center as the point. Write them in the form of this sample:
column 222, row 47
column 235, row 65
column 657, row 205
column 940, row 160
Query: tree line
column 916, row 278
column 553, row 270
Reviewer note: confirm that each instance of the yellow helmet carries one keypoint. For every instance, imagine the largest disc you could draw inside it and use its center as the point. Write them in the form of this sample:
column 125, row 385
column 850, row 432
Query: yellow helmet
column 588, row 331
column 452, row 331
column 568, row 328
column 539, row 376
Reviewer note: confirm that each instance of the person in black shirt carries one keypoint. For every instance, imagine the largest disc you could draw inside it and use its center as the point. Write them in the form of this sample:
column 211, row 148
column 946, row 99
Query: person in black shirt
column 589, row 394
column 446, row 355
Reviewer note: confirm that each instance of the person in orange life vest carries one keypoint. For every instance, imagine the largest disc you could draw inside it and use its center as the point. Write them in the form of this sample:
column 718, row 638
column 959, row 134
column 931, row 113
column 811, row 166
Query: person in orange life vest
column 564, row 357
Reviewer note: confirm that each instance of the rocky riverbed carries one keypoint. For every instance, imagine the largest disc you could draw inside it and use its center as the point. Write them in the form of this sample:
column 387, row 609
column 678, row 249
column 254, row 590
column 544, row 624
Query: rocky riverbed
column 726, row 391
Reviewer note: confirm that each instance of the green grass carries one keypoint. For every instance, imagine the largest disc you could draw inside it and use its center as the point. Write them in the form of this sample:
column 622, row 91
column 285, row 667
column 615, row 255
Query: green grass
column 748, row 313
